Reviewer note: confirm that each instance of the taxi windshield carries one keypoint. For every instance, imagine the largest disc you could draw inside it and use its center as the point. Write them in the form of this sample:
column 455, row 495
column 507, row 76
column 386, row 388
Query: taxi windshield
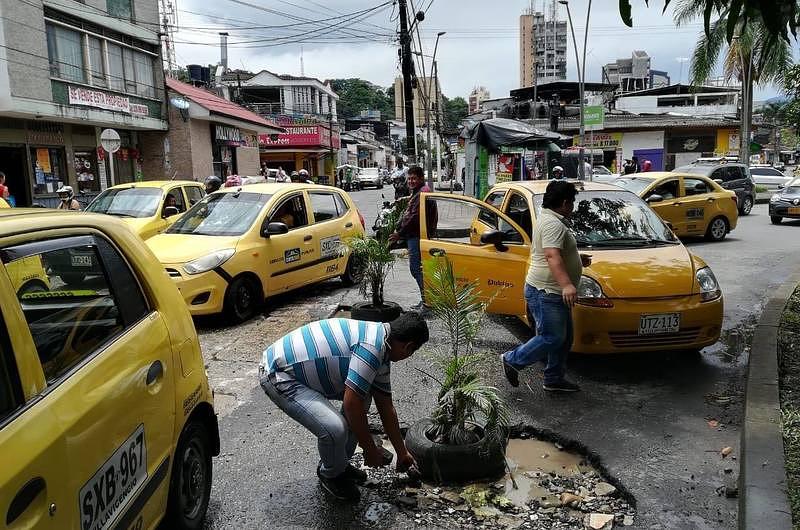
column 127, row 202
column 614, row 218
column 636, row 185
column 221, row 214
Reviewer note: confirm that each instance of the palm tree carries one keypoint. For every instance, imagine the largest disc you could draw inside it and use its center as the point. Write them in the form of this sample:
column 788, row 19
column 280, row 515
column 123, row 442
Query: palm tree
column 754, row 55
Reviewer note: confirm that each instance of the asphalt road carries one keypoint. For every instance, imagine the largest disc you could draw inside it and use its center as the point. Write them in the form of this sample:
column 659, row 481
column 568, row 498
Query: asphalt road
column 646, row 416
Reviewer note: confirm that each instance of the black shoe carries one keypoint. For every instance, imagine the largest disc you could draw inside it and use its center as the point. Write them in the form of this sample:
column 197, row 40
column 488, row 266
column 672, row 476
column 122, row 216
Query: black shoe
column 512, row 374
column 561, row 386
column 359, row 476
column 341, row 487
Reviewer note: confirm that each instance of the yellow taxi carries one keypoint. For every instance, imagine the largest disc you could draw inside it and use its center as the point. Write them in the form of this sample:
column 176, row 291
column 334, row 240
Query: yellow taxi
column 148, row 207
column 3, row 203
column 644, row 291
column 693, row 205
column 240, row 245
column 106, row 415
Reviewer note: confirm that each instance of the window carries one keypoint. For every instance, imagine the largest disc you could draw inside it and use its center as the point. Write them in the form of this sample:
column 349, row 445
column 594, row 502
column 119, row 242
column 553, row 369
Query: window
column 194, row 194
column 496, row 198
column 120, row 9
column 83, row 298
column 221, row 214
column 174, row 197
column 766, row 171
column 291, row 212
column 97, row 60
column 49, row 170
column 668, row 190
column 324, row 206
column 10, row 388
column 458, row 221
column 341, row 205
column 519, row 211
column 144, row 75
column 65, row 52
column 130, row 73
column 116, row 70
column 695, row 186
column 85, row 163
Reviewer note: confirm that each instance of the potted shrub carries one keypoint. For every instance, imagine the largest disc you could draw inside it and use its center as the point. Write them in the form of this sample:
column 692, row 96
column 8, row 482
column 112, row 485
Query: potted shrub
column 375, row 258
column 465, row 437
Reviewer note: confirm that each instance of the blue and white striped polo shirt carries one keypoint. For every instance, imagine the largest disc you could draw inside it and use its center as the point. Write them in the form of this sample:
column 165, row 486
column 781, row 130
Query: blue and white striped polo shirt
column 329, row 354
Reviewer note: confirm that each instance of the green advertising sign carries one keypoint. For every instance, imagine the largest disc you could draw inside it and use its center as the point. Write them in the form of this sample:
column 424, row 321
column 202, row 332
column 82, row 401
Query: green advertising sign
column 594, row 117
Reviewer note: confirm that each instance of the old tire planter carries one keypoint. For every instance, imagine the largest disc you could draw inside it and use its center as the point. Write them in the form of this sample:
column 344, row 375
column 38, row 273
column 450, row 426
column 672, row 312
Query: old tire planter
column 384, row 313
column 454, row 464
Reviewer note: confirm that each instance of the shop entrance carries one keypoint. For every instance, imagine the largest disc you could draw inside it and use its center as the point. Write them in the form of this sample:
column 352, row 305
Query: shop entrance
column 14, row 164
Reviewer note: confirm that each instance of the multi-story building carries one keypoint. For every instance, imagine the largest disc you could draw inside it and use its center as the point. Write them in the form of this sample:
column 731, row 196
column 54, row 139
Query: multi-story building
column 634, row 74
column 542, row 47
column 68, row 70
column 425, row 86
column 477, row 97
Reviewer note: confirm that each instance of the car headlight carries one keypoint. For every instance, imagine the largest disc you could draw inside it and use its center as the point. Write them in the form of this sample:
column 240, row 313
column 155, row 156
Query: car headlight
column 208, row 262
column 775, row 198
column 590, row 293
column 709, row 288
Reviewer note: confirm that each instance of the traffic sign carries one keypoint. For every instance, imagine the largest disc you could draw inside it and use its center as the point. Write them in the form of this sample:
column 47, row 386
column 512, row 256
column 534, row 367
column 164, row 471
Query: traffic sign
column 110, row 140
column 594, row 117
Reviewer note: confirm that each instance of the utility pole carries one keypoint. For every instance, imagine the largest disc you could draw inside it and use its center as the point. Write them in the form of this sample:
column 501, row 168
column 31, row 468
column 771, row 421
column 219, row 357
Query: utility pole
column 330, row 141
column 407, row 65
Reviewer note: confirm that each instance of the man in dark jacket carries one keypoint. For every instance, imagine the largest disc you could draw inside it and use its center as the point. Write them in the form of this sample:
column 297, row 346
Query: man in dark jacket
column 409, row 228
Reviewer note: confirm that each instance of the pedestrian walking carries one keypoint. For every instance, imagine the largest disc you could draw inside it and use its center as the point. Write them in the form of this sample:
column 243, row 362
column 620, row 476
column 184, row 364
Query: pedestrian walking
column 409, row 228
column 551, row 291
column 347, row 360
column 68, row 201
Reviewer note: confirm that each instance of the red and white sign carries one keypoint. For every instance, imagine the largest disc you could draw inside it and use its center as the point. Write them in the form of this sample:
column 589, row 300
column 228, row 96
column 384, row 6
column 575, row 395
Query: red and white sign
column 140, row 110
column 104, row 100
column 300, row 136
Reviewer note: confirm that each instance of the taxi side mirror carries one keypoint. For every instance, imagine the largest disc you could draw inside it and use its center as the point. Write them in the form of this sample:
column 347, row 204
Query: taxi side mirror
column 655, row 198
column 719, row 181
column 169, row 211
column 274, row 229
column 781, row 186
column 494, row 237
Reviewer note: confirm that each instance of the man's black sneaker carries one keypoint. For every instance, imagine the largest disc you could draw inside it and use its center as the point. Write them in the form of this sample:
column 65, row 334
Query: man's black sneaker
column 512, row 374
column 341, row 487
column 561, row 386
column 359, row 476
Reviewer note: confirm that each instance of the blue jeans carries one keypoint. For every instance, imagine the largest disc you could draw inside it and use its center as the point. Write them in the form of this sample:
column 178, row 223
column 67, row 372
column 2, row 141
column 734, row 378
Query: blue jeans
column 336, row 443
column 415, row 262
column 553, row 338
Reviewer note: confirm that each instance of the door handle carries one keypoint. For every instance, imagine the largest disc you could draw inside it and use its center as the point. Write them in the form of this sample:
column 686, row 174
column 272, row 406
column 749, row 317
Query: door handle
column 308, row 238
column 349, row 225
column 23, row 499
column 437, row 252
column 155, row 371
column 711, row 199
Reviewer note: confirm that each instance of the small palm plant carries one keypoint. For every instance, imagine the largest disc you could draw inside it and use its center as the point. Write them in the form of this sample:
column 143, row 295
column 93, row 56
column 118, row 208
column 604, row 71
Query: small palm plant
column 464, row 400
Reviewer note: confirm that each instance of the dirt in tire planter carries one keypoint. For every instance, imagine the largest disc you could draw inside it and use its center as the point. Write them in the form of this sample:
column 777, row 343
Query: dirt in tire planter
column 789, row 367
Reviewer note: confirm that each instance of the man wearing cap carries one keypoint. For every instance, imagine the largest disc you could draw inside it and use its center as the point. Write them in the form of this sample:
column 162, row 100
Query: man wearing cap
column 558, row 173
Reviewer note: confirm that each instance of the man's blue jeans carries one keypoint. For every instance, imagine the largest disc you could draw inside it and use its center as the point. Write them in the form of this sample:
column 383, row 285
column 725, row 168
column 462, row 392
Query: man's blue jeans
column 335, row 441
column 553, row 338
column 415, row 262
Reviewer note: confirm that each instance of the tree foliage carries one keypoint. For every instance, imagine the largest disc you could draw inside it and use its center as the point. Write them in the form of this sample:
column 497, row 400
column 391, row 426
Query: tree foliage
column 356, row 95
column 454, row 111
column 791, row 110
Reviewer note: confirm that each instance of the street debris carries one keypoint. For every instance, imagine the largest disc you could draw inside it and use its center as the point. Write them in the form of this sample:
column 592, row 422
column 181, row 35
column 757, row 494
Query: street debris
column 713, row 424
column 726, row 451
column 599, row 521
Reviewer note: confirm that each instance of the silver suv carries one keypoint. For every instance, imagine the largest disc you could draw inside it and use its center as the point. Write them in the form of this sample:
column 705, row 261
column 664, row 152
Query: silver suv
column 731, row 176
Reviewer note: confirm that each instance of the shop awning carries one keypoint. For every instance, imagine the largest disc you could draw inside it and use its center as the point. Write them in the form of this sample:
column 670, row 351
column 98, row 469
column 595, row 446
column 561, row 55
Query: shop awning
column 498, row 132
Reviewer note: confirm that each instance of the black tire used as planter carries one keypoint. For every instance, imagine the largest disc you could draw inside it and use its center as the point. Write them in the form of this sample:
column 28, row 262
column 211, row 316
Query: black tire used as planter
column 384, row 313
column 454, row 464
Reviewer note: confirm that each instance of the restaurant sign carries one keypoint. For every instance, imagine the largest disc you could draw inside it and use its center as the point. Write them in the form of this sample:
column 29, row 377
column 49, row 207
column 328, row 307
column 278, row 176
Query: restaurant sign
column 106, row 101
column 300, row 136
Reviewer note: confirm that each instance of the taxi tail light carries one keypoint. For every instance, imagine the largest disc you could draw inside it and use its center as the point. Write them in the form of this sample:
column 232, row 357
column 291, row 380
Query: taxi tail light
column 735, row 200
column 361, row 218
column 596, row 302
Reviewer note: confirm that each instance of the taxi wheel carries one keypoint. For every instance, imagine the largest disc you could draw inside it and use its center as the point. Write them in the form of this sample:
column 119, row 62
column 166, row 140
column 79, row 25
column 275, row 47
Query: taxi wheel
column 775, row 219
column 717, row 229
column 190, row 484
column 353, row 272
column 242, row 299
column 747, row 206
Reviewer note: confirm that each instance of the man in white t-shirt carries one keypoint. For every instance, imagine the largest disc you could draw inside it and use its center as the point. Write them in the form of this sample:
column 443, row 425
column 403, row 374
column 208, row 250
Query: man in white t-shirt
column 551, row 291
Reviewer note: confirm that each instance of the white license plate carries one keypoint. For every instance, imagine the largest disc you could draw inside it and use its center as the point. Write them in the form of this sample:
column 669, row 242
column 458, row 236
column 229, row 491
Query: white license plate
column 115, row 484
column 81, row 261
column 657, row 323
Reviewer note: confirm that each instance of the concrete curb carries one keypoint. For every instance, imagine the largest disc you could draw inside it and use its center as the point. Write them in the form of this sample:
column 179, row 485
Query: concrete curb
column 763, row 502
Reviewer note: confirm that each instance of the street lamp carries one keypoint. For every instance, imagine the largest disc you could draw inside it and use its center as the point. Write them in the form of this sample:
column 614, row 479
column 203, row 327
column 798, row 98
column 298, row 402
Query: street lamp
column 581, row 75
column 428, row 157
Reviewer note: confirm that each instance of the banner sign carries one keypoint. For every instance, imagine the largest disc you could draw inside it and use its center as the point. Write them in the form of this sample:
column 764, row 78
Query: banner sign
column 300, row 136
column 106, row 101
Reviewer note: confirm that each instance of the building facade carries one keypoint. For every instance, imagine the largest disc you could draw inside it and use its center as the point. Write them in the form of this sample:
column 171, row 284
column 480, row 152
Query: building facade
column 422, row 107
column 682, row 99
column 68, row 70
column 634, row 74
column 542, row 47
column 477, row 97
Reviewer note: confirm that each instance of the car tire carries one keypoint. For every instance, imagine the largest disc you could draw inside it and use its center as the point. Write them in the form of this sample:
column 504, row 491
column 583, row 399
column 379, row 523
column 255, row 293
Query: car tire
column 717, row 229
column 366, row 311
column 747, row 206
column 242, row 299
column 775, row 219
column 190, row 482
column 353, row 273
column 72, row 278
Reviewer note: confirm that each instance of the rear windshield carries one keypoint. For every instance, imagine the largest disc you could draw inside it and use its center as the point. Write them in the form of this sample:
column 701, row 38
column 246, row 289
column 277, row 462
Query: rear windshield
column 127, row 202
column 221, row 214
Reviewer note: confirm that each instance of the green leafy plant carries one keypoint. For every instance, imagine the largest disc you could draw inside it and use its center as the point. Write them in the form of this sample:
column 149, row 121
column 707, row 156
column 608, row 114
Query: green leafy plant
column 464, row 400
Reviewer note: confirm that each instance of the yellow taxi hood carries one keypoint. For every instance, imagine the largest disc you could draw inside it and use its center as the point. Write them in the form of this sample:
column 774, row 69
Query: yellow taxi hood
column 643, row 273
column 138, row 224
column 180, row 248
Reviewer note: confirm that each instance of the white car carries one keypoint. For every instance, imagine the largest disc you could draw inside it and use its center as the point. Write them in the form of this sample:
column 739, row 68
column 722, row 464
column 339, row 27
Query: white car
column 370, row 176
column 603, row 174
column 768, row 176
column 450, row 185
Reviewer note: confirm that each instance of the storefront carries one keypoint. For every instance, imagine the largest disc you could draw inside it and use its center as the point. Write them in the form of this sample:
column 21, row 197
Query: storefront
column 306, row 144
column 684, row 146
column 604, row 148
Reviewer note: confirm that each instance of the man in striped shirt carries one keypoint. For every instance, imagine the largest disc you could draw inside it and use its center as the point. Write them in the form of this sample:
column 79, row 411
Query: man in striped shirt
column 347, row 360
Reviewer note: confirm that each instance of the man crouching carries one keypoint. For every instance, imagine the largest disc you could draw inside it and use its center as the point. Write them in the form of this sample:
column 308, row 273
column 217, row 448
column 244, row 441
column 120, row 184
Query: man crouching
column 348, row 360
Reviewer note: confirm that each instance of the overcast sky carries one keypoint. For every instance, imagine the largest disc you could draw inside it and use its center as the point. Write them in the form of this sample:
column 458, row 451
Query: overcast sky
column 481, row 46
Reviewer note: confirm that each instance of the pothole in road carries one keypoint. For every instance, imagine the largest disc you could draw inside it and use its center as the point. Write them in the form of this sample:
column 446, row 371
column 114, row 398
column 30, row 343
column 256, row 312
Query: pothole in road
column 734, row 343
column 551, row 484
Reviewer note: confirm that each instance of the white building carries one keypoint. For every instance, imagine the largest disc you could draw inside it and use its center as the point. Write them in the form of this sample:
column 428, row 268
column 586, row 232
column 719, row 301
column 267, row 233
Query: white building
column 681, row 99
column 542, row 47
column 634, row 73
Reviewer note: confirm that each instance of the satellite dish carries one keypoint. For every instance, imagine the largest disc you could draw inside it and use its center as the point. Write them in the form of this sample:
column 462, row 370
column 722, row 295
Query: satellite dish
column 179, row 103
